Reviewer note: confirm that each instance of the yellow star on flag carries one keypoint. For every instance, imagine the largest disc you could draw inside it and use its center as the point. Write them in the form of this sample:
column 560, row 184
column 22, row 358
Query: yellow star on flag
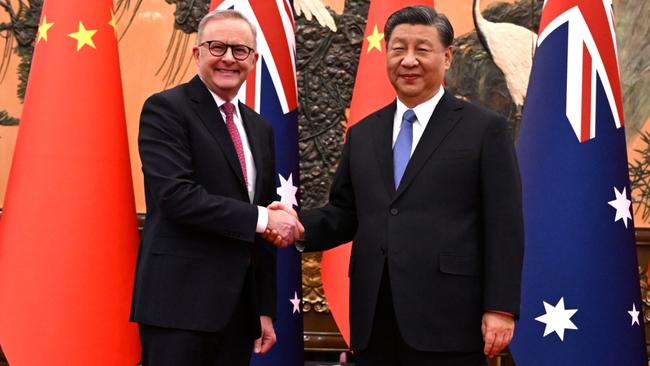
column 43, row 28
column 113, row 22
column 374, row 40
column 83, row 36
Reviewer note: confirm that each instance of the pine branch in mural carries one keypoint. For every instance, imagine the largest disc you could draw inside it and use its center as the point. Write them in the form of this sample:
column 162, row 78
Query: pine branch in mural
column 121, row 8
column 640, row 178
column 21, row 29
column 7, row 120
column 187, row 15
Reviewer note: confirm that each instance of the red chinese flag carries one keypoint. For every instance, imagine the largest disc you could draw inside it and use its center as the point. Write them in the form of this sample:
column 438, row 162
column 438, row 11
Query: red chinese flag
column 372, row 91
column 68, row 233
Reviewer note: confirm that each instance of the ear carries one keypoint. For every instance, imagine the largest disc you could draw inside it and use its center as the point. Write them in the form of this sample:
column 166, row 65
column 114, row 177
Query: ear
column 196, row 52
column 256, row 57
column 448, row 57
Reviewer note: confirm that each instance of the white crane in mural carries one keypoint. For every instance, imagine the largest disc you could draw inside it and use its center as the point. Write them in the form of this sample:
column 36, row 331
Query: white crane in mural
column 317, row 9
column 511, row 47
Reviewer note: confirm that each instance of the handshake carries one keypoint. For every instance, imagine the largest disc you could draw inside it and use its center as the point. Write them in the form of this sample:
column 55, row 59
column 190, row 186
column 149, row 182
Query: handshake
column 283, row 228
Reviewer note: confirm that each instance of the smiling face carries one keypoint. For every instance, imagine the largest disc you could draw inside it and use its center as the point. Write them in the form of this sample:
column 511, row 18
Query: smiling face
column 224, row 75
column 416, row 61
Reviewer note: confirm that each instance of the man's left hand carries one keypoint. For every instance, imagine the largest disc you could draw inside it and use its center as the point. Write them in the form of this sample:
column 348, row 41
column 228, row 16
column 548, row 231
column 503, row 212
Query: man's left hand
column 264, row 343
column 497, row 329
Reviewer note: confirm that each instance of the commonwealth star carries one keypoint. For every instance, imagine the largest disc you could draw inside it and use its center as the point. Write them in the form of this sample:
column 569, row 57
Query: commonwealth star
column 557, row 319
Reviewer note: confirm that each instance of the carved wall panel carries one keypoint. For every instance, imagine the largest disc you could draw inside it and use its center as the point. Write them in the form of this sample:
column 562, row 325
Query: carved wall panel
column 326, row 65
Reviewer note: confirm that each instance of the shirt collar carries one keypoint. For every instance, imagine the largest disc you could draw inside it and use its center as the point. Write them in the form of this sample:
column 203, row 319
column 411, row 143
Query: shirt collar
column 424, row 110
column 220, row 102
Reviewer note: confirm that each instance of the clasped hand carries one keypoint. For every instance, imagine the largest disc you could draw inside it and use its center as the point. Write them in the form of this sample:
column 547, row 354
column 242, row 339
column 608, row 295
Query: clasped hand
column 283, row 228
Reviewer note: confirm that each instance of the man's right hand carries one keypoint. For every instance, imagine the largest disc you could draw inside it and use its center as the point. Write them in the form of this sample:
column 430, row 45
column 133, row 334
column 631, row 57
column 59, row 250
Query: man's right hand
column 283, row 228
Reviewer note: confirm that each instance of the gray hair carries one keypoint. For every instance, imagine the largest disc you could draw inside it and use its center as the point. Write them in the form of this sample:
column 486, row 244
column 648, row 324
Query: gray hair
column 424, row 15
column 218, row 14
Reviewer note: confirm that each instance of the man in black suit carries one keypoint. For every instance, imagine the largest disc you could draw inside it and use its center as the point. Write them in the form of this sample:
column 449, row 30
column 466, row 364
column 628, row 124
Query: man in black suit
column 428, row 190
column 205, row 288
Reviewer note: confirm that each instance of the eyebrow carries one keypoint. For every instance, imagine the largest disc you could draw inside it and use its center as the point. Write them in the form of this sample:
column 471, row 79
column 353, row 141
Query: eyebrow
column 417, row 40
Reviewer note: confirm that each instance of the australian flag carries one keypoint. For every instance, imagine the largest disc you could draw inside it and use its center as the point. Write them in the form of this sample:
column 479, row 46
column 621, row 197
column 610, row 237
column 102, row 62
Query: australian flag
column 271, row 90
column 580, row 298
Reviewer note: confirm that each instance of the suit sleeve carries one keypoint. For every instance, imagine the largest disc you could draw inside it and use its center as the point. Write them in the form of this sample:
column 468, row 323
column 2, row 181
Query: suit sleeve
column 503, row 219
column 167, row 166
column 266, row 274
column 335, row 223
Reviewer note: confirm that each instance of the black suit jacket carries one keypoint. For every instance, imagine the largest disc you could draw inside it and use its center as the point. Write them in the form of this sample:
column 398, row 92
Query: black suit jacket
column 451, row 234
column 198, row 242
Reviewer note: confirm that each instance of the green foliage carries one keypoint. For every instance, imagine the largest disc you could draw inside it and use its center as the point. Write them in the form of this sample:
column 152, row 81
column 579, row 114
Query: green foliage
column 22, row 27
column 26, row 29
column 7, row 120
column 640, row 178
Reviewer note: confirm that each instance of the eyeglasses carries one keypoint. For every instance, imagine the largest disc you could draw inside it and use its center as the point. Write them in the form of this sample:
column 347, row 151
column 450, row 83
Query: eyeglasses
column 239, row 52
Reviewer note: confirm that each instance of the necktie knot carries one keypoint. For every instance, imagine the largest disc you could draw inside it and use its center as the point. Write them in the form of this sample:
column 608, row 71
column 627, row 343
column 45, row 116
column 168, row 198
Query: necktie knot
column 409, row 116
column 228, row 108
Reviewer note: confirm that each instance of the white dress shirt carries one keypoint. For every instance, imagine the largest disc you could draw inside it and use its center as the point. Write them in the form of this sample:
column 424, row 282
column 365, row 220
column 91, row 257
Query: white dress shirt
column 423, row 112
column 251, row 171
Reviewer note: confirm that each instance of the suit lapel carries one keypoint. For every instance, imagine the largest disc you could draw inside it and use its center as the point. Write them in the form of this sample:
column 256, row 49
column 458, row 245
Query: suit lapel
column 209, row 115
column 255, row 141
column 383, row 142
column 442, row 121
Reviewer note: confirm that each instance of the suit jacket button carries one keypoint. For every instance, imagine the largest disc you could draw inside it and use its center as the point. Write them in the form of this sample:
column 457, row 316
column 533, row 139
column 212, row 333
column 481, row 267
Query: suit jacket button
column 394, row 211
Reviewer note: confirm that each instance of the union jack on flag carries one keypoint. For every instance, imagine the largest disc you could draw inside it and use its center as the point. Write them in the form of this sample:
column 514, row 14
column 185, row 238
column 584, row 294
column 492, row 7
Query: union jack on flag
column 276, row 46
column 591, row 52
column 271, row 91
column 581, row 302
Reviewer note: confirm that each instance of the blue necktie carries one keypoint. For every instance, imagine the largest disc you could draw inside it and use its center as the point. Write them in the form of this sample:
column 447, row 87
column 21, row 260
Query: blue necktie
column 403, row 144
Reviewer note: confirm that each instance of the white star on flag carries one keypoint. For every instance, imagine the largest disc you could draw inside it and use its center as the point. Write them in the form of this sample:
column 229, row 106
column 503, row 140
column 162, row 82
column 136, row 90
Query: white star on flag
column 287, row 191
column 557, row 319
column 296, row 303
column 634, row 313
column 622, row 206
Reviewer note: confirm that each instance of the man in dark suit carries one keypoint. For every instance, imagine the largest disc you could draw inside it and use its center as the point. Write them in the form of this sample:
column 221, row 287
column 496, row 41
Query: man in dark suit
column 205, row 284
column 428, row 190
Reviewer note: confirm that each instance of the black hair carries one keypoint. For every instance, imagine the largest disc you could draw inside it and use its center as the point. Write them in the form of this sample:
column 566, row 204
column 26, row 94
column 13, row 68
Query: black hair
column 424, row 15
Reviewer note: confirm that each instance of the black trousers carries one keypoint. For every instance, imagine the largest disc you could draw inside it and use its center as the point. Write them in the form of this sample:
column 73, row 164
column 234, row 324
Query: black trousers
column 178, row 347
column 387, row 347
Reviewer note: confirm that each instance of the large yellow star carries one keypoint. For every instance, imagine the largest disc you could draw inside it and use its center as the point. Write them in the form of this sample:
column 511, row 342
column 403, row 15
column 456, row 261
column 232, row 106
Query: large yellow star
column 43, row 28
column 374, row 40
column 113, row 22
column 83, row 36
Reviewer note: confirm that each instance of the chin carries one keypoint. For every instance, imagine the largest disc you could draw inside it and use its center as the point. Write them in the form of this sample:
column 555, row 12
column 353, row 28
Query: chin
column 410, row 93
column 225, row 85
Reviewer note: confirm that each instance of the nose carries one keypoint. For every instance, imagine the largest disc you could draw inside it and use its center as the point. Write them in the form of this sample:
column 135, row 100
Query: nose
column 228, row 55
column 409, row 59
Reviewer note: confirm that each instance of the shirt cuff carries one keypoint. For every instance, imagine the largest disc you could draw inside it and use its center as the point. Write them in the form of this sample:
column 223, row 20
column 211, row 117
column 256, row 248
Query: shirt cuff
column 262, row 219
column 500, row 312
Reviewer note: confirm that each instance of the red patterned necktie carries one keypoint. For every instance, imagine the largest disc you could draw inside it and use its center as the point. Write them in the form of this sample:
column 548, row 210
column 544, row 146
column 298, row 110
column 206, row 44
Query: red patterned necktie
column 229, row 110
